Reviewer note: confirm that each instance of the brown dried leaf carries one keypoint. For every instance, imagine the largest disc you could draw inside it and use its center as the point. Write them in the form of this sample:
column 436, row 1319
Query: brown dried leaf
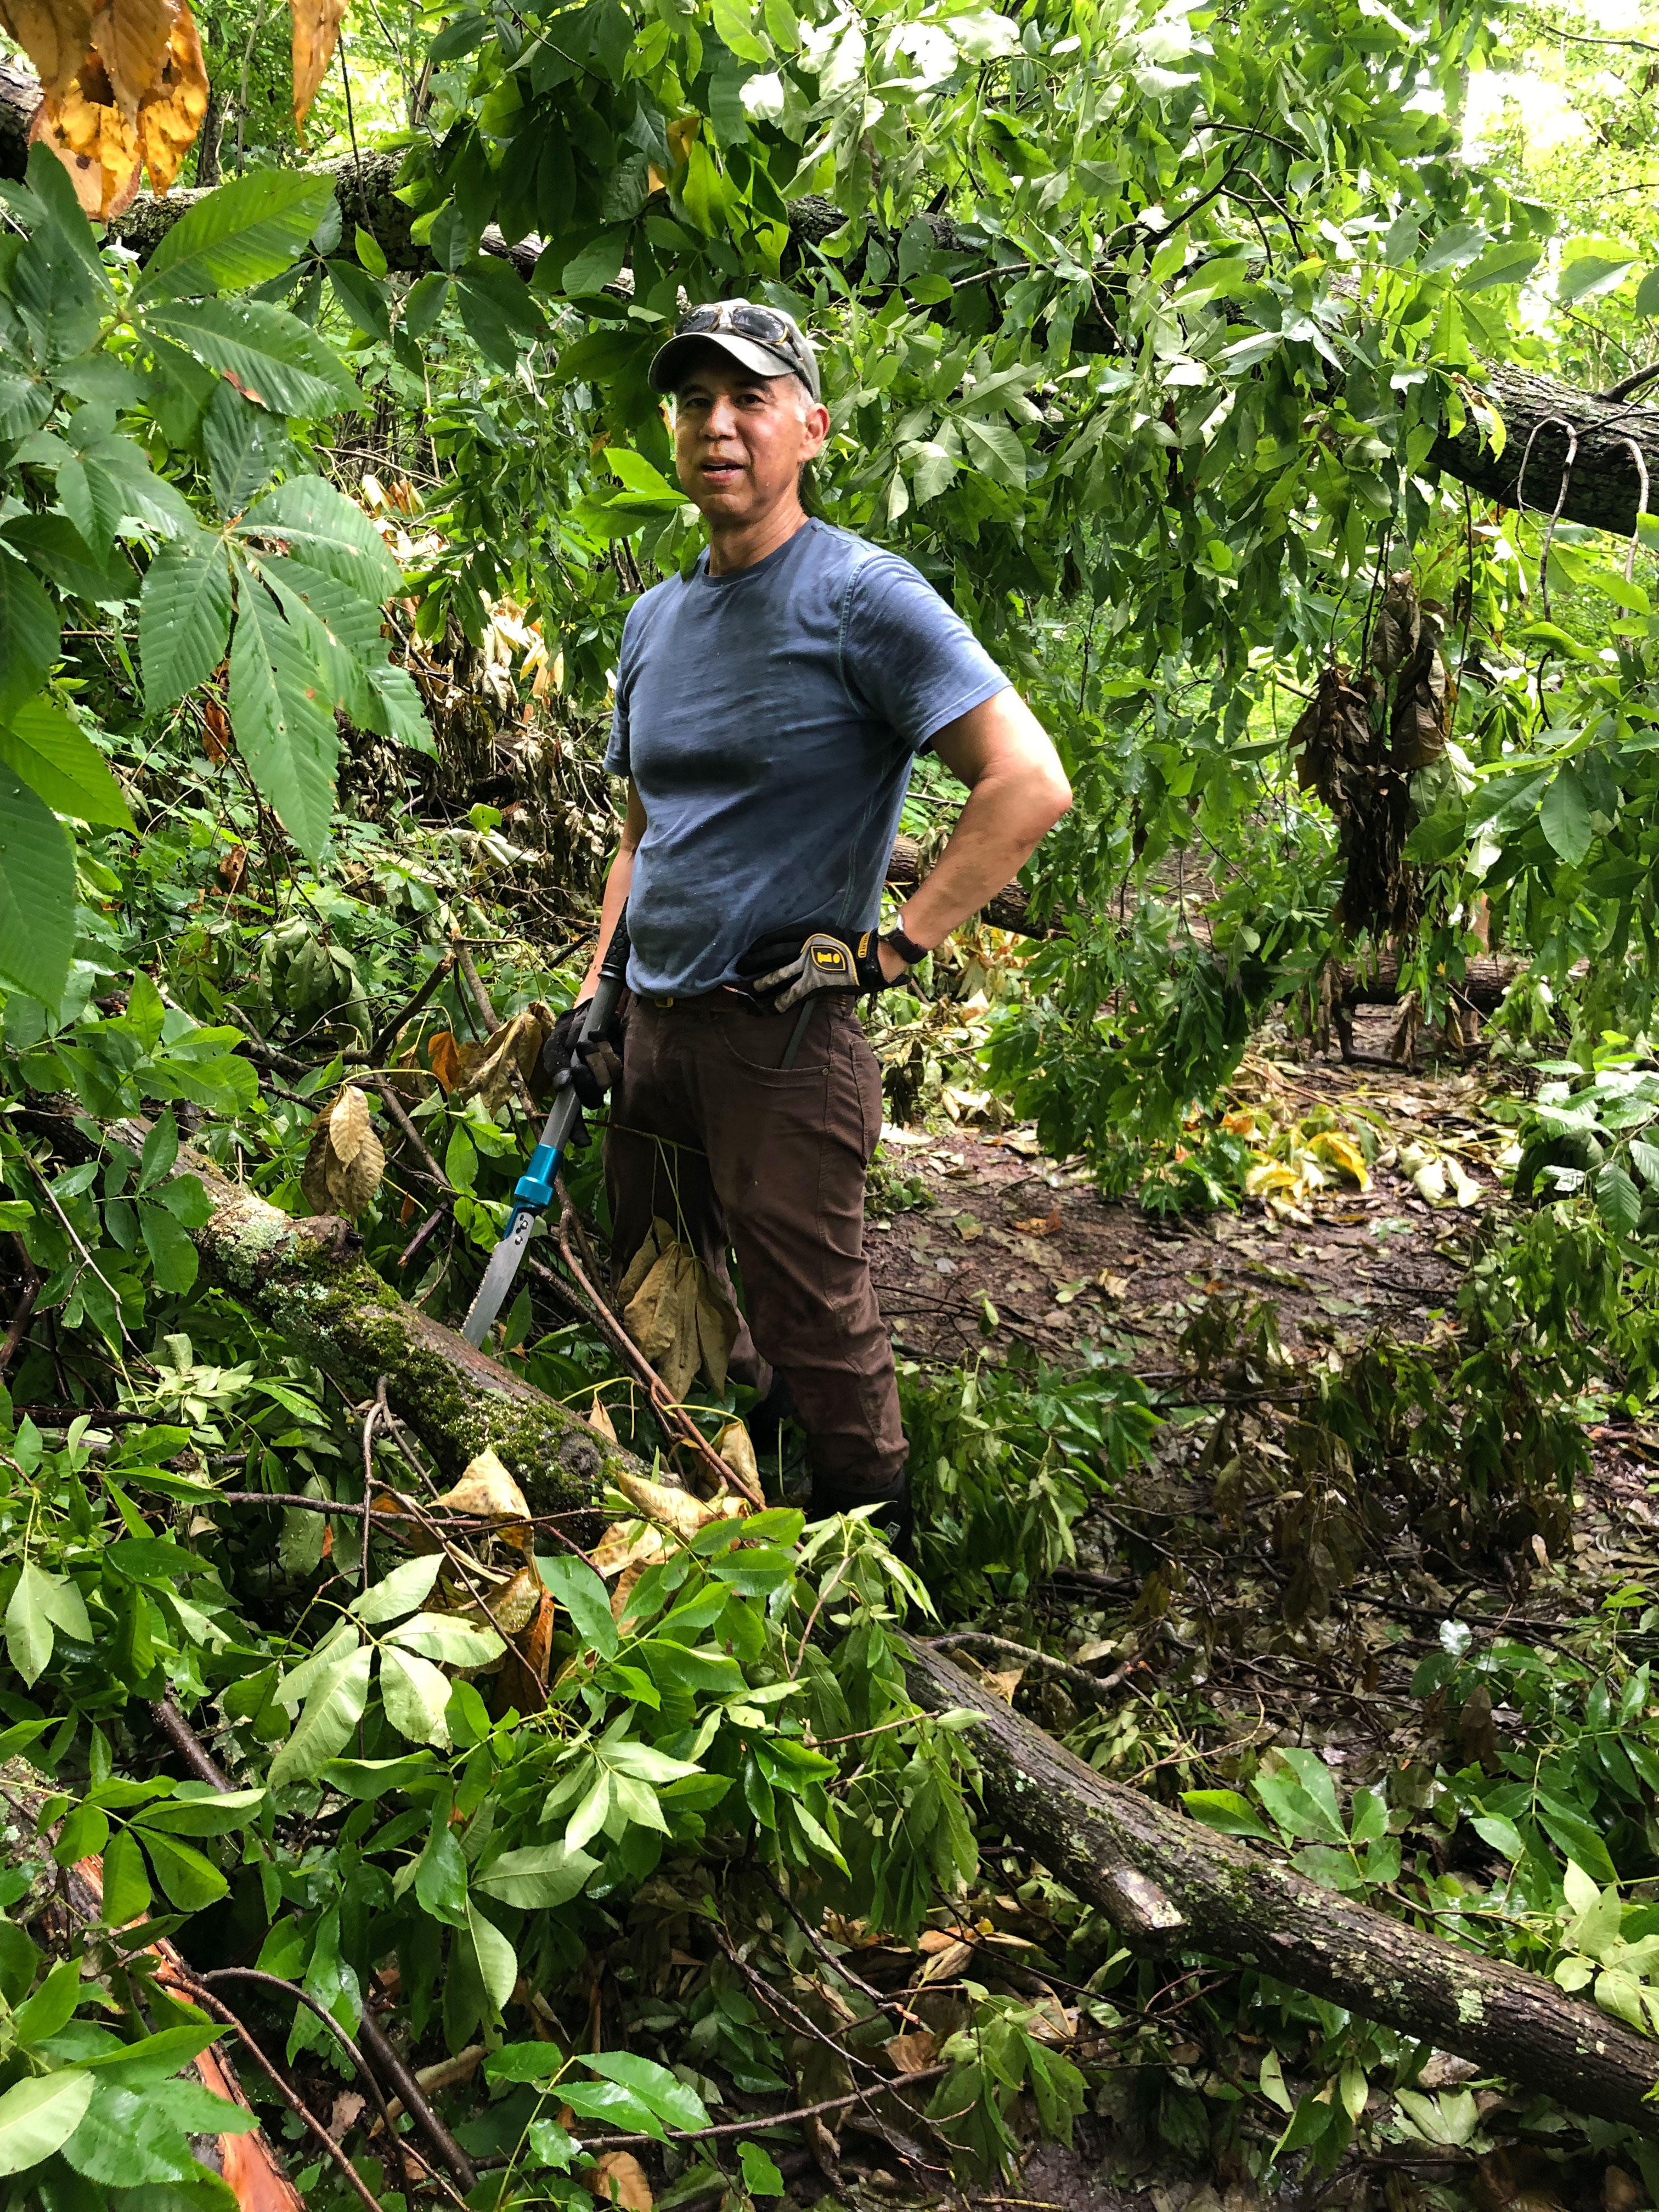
column 650, row 1315
column 620, row 2180
column 944, row 1965
column 446, row 1060
column 677, row 1508
column 644, row 1260
column 486, row 1069
column 717, row 1331
column 348, row 1125
column 736, row 1447
column 914, row 2051
column 513, row 1609
column 316, row 34
column 600, row 1421
column 132, row 38
column 215, row 734
column 1394, row 640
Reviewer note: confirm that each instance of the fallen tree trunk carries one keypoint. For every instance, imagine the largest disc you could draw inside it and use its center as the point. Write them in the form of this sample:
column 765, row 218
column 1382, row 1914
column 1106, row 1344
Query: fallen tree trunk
column 1170, row 1884
column 309, row 1280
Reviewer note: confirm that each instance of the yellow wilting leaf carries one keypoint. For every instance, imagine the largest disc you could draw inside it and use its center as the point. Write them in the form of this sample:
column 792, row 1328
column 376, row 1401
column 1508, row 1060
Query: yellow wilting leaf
column 912, row 2052
column 486, row 1069
column 676, row 1313
column 54, row 34
column 316, row 34
column 345, row 1159
column 600, row 1421
column 94, row 140
column 680, row 134
column 1342, row 1153
column 170, row 114
column 131, row 37
column 1270, row 1176
column 486, row 1488
column 677, row 1508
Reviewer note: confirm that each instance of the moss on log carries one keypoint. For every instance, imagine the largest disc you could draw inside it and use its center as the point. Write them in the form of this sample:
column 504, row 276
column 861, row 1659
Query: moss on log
column 1170, row 1884
column 309, row 1279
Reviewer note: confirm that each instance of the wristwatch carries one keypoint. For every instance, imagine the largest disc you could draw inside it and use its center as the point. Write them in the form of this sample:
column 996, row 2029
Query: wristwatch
column 906, row 947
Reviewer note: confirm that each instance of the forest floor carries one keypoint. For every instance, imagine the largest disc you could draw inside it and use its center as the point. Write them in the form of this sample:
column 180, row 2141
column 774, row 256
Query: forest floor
column 1208, row 1615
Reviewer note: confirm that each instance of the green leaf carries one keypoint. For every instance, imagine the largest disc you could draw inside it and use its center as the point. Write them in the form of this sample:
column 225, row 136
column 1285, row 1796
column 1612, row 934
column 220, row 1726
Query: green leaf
column 160, row 1150
column 369, row 251
column 600, row 263
column 24, row 403
column 362, row 297
column 1591, row 276
column 609, row 2100
column 441, row 1872
column 1565, row 816
column 60, row 763
column 189, row 1877
column 28, row 1626
column 1617, row 1199
column 184, row 617
column 127, row 1881
column 171, row 1255
column 52, row 2006
column 1226, row 1810
column 657, row 2089
column 52, row 544
column 29, row 633
column 415, row 1694
column 38, row 2116
column 536, row 1877
column 442, row 1637
column 425, row 303
column 498, row 1964
column 284, row 726
column 1507, row 261
column 246, row 232
column 245, row 446
column 584, row 1597
column 1647, row 293
column 1454, row 247
column 274, row 358
column 399, row 1592
column 214, row 1815
column 322, row 527
column 332, row 1710
column 761, row 2177
column 523, row 2062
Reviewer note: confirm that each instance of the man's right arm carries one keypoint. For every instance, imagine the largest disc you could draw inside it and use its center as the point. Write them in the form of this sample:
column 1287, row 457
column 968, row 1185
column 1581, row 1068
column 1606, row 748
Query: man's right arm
column 617, row 884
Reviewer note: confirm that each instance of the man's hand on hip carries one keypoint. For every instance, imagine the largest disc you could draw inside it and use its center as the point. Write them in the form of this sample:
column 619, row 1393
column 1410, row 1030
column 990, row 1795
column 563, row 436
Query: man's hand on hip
column 828, row 963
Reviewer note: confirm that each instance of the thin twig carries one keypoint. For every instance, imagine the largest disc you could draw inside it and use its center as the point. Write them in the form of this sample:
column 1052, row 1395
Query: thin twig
column 291, row 2097
column 20, row 1320
column 388, row 1030
column 1094, row 1685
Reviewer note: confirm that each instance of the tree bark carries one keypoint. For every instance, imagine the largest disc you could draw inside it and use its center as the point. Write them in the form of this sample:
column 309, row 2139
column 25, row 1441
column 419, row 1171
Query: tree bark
column 311, row 1282
column 1603, row 485
column 1170, row 1884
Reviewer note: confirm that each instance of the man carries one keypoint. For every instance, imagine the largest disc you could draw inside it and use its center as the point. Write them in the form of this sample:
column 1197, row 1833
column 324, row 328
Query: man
column 768, row 711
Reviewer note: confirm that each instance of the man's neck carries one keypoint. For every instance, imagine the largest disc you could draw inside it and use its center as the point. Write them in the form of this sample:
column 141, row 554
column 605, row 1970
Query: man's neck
column 744, row 544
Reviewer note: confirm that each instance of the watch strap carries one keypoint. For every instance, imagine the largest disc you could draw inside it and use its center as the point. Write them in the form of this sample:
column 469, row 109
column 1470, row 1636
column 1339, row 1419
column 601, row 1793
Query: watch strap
column 906, row 947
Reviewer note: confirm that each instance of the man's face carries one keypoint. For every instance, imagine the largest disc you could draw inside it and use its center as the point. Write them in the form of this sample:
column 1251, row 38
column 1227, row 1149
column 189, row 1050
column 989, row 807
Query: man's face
column 739, row 439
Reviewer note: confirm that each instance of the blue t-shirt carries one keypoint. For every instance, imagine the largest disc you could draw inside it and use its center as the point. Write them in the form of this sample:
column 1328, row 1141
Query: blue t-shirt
column 769, row 719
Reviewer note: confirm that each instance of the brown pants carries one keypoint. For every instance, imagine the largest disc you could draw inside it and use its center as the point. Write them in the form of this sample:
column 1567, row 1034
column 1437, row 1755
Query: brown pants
column 709, row 1131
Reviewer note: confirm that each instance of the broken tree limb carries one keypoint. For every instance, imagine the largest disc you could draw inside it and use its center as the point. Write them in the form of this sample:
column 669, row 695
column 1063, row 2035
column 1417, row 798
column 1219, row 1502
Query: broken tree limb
column 1170, row 1884
column 310, row 1280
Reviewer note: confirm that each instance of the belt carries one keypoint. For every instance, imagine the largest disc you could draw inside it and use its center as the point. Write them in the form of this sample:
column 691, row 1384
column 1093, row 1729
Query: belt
column 722, row 995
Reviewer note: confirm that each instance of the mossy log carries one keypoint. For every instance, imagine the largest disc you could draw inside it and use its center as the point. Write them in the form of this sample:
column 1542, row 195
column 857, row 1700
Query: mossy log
column 309, row 1279
column 1169, row 1884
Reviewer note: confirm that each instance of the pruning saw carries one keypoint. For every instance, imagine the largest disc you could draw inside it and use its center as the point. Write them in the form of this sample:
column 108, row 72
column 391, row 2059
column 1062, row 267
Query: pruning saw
column 533, row 1191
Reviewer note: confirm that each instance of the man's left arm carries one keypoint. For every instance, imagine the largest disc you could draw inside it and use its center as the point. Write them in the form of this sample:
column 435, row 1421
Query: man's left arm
column 1017, row 792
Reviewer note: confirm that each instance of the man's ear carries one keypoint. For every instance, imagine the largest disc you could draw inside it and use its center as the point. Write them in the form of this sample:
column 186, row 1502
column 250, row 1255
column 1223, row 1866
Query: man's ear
column 816, row 424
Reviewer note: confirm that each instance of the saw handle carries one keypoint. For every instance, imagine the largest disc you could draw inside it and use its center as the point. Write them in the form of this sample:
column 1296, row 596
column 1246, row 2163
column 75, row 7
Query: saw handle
column 533, row 1191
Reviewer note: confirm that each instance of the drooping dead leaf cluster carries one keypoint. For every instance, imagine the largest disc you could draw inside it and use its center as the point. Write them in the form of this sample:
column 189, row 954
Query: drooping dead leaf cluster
column 1358, row 748
column 486, row 1069
column 345, row 1159
column 676, row 1313
column 124, row 87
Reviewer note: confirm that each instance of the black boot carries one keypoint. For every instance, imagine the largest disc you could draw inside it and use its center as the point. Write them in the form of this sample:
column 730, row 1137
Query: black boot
column 895, row 1518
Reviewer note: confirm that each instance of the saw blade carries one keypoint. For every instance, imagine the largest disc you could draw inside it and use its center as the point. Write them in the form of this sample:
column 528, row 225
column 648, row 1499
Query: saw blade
column 498, row 1278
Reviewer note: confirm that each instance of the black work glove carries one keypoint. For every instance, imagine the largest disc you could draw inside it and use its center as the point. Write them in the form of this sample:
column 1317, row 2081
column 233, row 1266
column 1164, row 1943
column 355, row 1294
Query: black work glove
column 588, row 1066
column 826, row 962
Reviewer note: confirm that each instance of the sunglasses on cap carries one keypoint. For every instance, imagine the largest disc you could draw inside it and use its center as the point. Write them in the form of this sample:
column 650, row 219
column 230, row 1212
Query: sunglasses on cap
column 764, row 325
